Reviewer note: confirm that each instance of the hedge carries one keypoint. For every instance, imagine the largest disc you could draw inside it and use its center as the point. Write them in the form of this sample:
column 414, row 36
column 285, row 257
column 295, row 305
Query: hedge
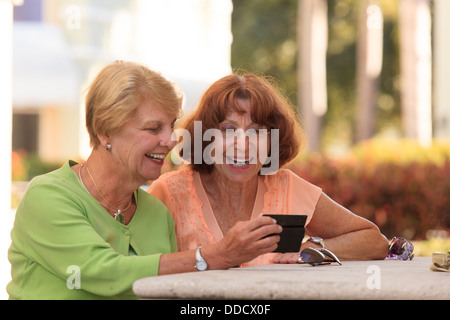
column 400, row 186
column 404, row 197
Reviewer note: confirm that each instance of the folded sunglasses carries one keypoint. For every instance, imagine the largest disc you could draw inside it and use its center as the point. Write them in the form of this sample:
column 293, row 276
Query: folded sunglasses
column 317, row 257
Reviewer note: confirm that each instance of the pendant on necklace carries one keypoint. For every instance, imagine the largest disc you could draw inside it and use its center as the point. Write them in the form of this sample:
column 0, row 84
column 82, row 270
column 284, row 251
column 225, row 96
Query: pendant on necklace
column 119, row 216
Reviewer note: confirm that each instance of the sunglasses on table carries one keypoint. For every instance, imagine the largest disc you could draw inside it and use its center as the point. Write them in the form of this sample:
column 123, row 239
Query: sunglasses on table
column 400, row 248
column 317, row 257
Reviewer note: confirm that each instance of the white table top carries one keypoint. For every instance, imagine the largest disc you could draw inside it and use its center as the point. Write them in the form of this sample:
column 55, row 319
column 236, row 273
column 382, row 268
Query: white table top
column 377, row 279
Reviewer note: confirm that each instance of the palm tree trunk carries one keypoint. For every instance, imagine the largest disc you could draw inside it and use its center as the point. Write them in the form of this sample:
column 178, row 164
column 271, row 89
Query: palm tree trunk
column 312, row 32
column 369, row 63
column 415, row 65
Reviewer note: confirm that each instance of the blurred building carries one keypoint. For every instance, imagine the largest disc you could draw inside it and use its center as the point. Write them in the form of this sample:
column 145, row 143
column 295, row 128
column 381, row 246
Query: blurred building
column 59, row 45
column 441, row 75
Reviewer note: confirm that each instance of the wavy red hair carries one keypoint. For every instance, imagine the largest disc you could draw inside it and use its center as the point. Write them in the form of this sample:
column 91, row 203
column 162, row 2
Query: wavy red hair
column 268, row 108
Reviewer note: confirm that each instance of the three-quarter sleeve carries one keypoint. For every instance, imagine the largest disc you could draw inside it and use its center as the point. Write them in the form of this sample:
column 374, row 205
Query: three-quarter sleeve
column 56, row 231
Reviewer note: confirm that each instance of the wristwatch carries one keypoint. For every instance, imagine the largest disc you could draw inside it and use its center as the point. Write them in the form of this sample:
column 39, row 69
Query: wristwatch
column 200, row 263
column 315, row 240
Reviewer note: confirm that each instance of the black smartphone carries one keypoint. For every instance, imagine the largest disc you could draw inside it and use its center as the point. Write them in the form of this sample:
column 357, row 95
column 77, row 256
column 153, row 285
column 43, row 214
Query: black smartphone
column 293, row 231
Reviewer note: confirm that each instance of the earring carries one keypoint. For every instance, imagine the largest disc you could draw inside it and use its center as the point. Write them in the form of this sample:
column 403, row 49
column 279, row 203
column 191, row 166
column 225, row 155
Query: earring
column 108, row 146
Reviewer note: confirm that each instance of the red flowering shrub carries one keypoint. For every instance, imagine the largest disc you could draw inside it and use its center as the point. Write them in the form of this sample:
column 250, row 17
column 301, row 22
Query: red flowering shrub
column 404, row 198
column 25, row 166
column 18, row 169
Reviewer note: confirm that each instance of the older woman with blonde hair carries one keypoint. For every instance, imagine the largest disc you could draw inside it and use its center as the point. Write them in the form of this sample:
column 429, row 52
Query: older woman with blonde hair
column 87, row 230
column 207, row 198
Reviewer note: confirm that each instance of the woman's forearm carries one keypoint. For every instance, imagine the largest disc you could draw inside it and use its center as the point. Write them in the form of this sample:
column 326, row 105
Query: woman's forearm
column 244, row 241
column 185, row 261
column 364, row 244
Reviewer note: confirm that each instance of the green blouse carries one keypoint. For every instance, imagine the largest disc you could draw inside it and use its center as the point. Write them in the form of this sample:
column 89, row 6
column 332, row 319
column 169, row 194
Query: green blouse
column 66, row 246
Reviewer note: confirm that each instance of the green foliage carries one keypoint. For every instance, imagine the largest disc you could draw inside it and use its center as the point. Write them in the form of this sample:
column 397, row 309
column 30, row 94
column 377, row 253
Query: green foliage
column 401, row 151
column 426, row 248
column 27, row 166
column 404, row 190
column 24, row 167
column 265, row 41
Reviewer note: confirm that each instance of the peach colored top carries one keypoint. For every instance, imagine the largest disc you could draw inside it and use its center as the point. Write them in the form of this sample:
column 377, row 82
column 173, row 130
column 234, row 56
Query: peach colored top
column 183, row 193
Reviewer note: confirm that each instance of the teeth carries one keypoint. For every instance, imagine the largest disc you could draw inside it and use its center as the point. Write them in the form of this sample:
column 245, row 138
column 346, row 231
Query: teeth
column 238, row 163
column 155, row 156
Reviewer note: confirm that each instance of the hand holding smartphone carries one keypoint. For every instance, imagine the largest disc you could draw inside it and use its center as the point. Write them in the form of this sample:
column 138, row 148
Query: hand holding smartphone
column 293, row 231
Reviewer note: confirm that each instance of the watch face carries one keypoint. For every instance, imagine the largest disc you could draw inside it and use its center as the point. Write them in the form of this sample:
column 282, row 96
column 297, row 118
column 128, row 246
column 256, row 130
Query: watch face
column 201, row 265
column 316, row 239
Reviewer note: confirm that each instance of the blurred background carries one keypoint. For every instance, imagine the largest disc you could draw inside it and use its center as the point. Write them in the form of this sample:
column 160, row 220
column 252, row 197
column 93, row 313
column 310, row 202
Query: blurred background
column 369, row 80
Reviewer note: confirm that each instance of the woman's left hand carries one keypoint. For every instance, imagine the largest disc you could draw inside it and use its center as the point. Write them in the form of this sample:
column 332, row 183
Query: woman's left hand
column 289, row 257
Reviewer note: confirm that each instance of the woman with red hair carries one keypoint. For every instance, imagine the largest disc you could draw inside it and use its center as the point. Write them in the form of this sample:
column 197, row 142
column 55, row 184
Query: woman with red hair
column 249, row 132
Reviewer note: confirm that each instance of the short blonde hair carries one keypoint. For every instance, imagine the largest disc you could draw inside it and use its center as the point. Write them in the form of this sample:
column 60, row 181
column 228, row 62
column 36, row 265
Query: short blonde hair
column 118, row 90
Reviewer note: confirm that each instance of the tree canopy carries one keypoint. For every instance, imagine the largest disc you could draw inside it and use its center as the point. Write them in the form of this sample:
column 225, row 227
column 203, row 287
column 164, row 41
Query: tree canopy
column 265, row 41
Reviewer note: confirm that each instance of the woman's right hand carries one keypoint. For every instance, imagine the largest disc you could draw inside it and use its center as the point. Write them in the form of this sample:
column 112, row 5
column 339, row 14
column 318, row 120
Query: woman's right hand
column 243, row 242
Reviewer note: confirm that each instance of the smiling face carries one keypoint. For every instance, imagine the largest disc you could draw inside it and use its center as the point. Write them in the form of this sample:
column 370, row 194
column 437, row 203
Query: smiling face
column 240, row 146
column 265, row 106
column 140, row 146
